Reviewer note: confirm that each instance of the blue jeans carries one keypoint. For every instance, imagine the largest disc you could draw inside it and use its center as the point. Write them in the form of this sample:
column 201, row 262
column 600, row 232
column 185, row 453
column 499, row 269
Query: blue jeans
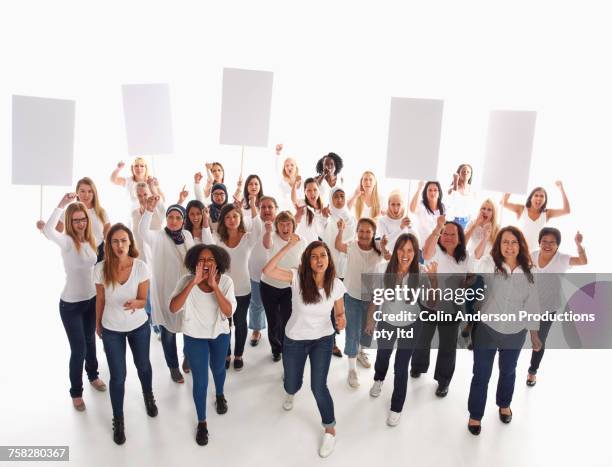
column 79, row 320
column 114, row 346
column 356, row 311
column 488, row 342
column 257, row 313
column 294, row 360
column 462, row 221
column 148, row 310
column 168, row 340
column 201, row 353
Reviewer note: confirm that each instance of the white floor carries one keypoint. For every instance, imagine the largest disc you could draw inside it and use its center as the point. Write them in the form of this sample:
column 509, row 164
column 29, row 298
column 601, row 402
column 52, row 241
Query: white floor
column 562, row 421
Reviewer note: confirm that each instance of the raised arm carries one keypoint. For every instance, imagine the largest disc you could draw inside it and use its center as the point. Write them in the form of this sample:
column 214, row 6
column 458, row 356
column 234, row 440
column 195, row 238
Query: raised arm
column 429, row 249
column 515, row 208
column 480, row 248
column 414, row 202
column 339, row 244
column 272, row 270
column 267, row 236
column 581, row 259
column 50, row 229
column 551, row 213
column 356, row 194
column 144, row 226
column 197, row 187
column 115, row 178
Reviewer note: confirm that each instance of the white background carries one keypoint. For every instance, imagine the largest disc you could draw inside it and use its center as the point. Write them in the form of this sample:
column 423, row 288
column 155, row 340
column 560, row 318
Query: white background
column 336, row 65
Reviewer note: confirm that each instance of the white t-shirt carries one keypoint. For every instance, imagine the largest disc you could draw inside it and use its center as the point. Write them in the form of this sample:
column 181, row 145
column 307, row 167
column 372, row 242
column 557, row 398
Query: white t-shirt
column 115, row 317
column 315, row 230
column 548, row 280
column 97, row 225
column 259, row 255
column 329, row 237
column 461, row 205
column 426, row 221
column 391, row 228
column 291, row 260
column 531, row 229
column 559, row 263
column 313, row 320
column 78, row 265
column 202, row 316
column 448, row 265
column 359, row 262
column 156, row 224
column 475, row 238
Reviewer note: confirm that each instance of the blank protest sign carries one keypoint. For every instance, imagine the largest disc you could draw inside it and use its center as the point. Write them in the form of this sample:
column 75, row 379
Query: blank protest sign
column 508, row 151
column 246, row 107
column 413, row 147
column 148, row 119
column 43, row 141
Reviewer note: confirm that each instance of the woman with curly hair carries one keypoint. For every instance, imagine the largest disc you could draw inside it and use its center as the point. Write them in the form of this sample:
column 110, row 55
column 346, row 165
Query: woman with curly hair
column 328, row 168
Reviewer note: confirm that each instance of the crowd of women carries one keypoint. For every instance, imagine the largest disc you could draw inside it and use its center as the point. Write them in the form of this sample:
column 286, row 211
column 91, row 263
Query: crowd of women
column 292, row 264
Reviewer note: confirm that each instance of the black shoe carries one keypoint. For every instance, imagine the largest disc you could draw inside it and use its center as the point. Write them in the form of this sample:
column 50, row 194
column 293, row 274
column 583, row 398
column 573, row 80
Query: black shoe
column 176, row 375
column 238, row 364
column 531, row 383
column 505, row 418
column 442, row 391
column 474, row 429
column 202, row 434
column 185, row 365
column 336, row 352
column 255, row 341
column 227, row 363
column 118, row 430
column 149, row 401
column 276, row 357
column 221, row 404
column 414, row 373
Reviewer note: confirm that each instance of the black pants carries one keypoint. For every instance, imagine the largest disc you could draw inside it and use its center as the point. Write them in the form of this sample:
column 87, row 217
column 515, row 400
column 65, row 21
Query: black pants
column 405, row 348
column 277, row 303
column 536, row 357
column 239, row 319
column 447, row 350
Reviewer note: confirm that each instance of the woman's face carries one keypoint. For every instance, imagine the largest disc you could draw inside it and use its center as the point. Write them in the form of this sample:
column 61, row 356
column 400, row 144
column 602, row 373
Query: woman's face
column 509, row 246
column 339, row 199
column 217, row 173
column 195, row 216
column 120, row 243
column 139, row 169
column 548, row 243
column 174, row 221
column 218, row 197
column 232, row 220
column 85, row 194
column 319, row 260
column 267, row 210
column 312, row 192
column 142, row 194
column 365, row 233
column 285, row 229
column 79, row 222
column 207, row 259
column 405, row 255
column 486, row 211
column 450, row 237
column 432, row 192
column 465, row 173
column 395, row 205
column 367, row 181
column 329, row 165
column 253, row 187
column 538, row 199
column 290, row 167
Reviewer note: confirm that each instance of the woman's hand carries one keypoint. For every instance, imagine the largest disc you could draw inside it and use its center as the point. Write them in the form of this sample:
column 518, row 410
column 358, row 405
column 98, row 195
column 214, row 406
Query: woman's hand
column 197, row 177
column 212, row 276
column 293, row 240
column 40, row 225
column 130, row 305
column 440, row 222
column 405, row 223
column 278, row 149
column 370, row 325
column 297, row 182
column 577, row 239
column 183, row 195
column 99, row 329
column 536, row 343
column 340, row 321
column 199, row 273
column 66, row 200
column 326, row 212
column 152, row 203
column 341, row 225
column 120, row 165
column 268, row 225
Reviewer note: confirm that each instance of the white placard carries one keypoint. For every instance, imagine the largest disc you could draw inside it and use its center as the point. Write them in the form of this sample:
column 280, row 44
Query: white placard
column 43, row 141
column 148, row 119
column 508, row 151
column 414, row 138
column 246, row 106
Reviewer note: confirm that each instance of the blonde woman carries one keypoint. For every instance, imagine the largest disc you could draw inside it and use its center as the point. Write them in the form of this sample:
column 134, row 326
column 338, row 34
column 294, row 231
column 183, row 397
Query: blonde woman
column 289, row 176
column 140, row 173
column 78, row 298
column 365, row 200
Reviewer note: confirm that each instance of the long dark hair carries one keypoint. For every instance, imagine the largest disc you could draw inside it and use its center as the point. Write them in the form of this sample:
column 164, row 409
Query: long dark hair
column 523, row 259
column 460, row 252
column 111, row 264
column 308, row 287
column 221, row 229
column 367, row 220
column 393, row 265
column 440, row 205
column 318, row 207
column 245, row 191
column 538, row 188
column 194, row 203
column 458, row 172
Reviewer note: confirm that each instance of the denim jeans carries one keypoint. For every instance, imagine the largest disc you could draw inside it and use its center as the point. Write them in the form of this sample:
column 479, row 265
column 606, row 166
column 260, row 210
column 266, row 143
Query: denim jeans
column 115, row 348
column 148, row 310
column 257, row 313
column 536, row 357
column 79, row 320
column 277, row 303
column 356, row 314
column 488, row 342
column 202, row 353
column 447, row 350
column 462, row 221
column 239, row 320
column 403, row 353
column 168, row 340
column 319, row 351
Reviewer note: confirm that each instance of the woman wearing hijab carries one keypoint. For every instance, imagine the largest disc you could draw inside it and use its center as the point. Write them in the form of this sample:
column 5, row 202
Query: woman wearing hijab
column 168, row 249
column 218, row 197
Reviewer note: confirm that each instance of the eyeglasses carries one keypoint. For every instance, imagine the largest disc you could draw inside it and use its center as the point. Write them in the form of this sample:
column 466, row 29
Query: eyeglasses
column 79, row 220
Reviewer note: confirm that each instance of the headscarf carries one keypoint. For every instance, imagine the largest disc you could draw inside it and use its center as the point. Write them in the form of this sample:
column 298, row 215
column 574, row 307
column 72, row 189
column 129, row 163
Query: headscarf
column 342, row 213
column 176, row 235
column 215, row 209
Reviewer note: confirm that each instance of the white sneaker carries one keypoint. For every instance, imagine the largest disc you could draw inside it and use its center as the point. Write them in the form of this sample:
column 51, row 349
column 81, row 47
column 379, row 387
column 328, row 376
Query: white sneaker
column 363, row 359
column 288, row 403
column 353, row 379
column 394, row 418
column 327, row 445
column 376, row 389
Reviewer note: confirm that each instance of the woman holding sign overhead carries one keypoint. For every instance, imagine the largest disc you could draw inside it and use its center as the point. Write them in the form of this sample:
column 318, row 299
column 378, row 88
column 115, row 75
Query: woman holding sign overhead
column 534, row 215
